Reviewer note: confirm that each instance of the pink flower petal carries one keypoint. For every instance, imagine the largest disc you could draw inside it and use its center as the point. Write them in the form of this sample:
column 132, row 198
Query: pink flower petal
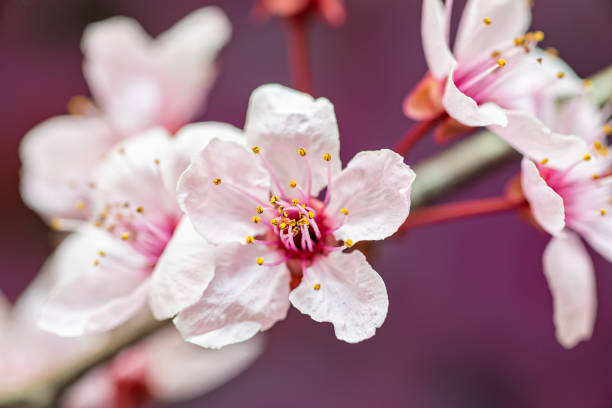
column 223, row 213
column 95, row 298
column 375, row 189
column 530, row 137
column 58, row 157
column 509, row 19
column 179, row 370
column 466, row 111
column 182, row 273
column 571, row 279
column 243, row 298
column 546, row 205
column 280, row 121
column 350, row 295
column 433, row 32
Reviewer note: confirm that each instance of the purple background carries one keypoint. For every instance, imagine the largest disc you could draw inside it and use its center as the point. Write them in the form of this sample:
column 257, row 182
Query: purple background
column 470, row 317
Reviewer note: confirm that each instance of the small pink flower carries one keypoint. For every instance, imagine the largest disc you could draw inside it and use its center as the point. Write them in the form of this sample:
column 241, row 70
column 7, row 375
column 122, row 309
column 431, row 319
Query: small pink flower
column 260, row 206
column 135, row 238
column 332, row 11
column 137, row 83
column 496, row 75
column 163, row 368
column 568, row 200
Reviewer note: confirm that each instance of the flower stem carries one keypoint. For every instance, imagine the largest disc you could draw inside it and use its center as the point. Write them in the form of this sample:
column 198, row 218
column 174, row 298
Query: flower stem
column 414, row 135
column 455, row 211
column 299, row 52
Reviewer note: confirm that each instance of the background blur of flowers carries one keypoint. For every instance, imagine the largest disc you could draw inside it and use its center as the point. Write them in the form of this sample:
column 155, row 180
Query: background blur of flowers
column 469, row 323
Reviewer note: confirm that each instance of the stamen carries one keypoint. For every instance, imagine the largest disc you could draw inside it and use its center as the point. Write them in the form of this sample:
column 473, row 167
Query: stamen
column 544, row 161
column 80, row 205
column 326, row 156
column 602, row 211
column 256, row 219
column 255, row 149
column 217, row 181
column 292, row 184
column 302, row 151
column 348, row 243
column 586, row 157
column 102, row 253
column 607, row 129
column 250, row 239
column 260, row 261
column 316, row 286
column 487, row 21
column 560, row 75
column 259, row 209
column 125, row 236
column 344, row 211
column 96, row 262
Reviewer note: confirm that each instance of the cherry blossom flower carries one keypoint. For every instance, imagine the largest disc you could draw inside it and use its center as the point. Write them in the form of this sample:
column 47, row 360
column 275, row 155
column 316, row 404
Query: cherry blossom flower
column 496, row 75
column 162, row 368
column 277, row 239
column 332, row 11
column 135, row 238
column 137, row 83
column 572, row 201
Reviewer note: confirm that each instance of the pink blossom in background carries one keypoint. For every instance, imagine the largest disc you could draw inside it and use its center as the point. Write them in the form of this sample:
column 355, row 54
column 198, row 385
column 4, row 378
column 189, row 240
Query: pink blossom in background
column 276, row 241
column 332, row 12
column 137, row 83
column 495, row 76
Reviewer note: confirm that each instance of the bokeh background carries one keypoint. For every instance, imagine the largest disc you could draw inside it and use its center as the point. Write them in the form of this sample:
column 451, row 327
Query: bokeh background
column 470, row 317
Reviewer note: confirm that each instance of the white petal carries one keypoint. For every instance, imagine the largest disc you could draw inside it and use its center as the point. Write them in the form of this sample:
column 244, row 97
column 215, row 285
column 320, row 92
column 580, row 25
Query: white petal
column 179, row 370
column 182, row 273
column 223, row 213
column 243, row 298
column 190, row 140
column 280, row 121
column 509, row 19
column 569, row 272
column 58, row 157
column 375, row 188
column 546, row 205
column 433, row 32
column 351, row 295
column 95, row 298
column 466, row 111
column 529, row 136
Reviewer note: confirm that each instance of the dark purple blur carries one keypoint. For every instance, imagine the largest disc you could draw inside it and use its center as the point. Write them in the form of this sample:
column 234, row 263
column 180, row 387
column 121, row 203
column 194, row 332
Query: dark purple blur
column 470, row 318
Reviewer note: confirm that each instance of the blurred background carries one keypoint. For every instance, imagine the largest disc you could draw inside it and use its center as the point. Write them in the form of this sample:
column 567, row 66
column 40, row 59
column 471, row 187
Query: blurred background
column 470, row 317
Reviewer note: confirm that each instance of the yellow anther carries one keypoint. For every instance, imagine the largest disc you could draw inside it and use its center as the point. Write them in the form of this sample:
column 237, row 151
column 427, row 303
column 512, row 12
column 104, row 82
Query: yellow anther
column 250, row 239
column 56, row 224
column 539, row 36
column 256, row 149
column 96, row 262
column 501, row 62
column 311, row 215
column 587, row 83
column 139, row 209
column 293, row 184
column 348, row 243
column 302, row 222
column 285, row 214
column 544, row 161
column 217, row 181
column 540, row 60
column 125, row 236
column 302, row 151
column 487, row 21
column 519, row 40
column 607, row 129
column 156, row 161
column 495, row 54
column 260, row 261
column 102, row 253
column 274, row 221
column 282, row 225
column 295, row 202
column 560, row 74
column 597, row 144
column 316, row 286
column 259, row 209
column 595, row 176
column 292, row 223
column 326, row 156
column 586, row 157
column 273, row 199
column 344, row 211
column 603, row 211
column 280, row 209
column 256, row 219
column 552, row 51
column 79, row 205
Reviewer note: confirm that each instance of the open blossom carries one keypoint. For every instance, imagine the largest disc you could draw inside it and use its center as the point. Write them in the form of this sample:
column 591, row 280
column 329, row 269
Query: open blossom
column 162, row 368
column 332, row 11
column 277, row 240
column 137, row 83
column 135, row 237
column 569, row 202
column 496, row 75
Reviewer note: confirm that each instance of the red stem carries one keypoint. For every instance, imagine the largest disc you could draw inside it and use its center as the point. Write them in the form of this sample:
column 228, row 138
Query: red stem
column 454, row 211
column 414, row 135
column 299, row 53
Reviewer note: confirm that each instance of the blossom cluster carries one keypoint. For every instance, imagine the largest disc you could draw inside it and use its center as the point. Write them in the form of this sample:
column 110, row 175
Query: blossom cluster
column 220, row 230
